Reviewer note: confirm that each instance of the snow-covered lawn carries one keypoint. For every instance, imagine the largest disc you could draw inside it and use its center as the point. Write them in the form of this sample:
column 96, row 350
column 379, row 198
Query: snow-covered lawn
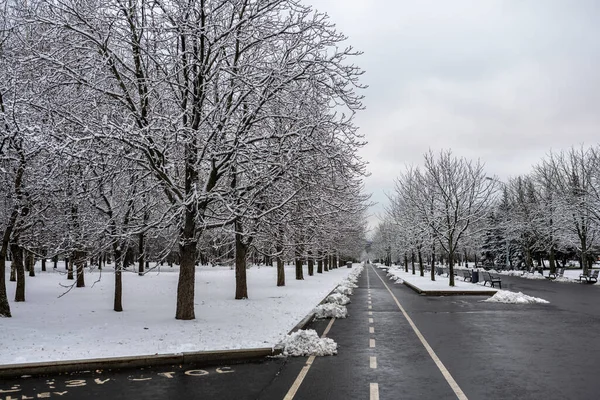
column 81, row 324
column 570, row 275
column 441, row 282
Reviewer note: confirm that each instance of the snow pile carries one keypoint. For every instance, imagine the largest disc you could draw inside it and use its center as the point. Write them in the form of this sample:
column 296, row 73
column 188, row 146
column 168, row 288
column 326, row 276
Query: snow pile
column 342, row 289
column 338, row 298
column 308, row 343
column 330, row 310
column 350, row 284
column 535, row 275
column 521, row 274
column 505, row 296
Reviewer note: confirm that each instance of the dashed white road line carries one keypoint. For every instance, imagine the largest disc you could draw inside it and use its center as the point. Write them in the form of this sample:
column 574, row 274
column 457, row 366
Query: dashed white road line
column 374, row 391
column 371, row 343
column 457, row 390
column 373, row 362
column 371, row 329
column 370, row 320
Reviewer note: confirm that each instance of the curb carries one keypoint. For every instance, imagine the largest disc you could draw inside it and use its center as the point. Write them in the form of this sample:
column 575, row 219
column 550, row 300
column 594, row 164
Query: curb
column 449, row 292
column 199, row 358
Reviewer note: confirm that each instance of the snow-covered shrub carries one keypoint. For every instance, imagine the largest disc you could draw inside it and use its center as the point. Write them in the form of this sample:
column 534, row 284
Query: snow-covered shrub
column 308, row 343
column 341, row 289
column 330, row 310
column 505, row 296
column 338, row 298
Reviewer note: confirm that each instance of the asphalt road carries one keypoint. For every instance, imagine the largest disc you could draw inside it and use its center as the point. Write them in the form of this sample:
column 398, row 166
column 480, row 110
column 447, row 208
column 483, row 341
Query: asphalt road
column 478, row 350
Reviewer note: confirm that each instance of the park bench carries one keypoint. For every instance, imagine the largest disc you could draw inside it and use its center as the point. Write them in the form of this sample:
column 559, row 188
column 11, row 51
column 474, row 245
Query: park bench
column 559, row 273
column 590, row 277
column 487, row 277
column 467, row 275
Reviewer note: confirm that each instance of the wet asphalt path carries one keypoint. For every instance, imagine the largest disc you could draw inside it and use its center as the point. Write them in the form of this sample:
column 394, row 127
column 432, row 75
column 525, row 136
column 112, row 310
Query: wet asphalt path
column 492, row 351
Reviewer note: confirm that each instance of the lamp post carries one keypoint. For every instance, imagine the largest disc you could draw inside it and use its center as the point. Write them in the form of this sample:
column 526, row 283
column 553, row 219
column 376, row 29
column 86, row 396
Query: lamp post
column 489, row 178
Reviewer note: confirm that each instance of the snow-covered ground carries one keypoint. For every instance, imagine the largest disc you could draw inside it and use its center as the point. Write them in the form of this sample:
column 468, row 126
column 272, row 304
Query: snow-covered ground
column 570, row 275
column 82, row 324
column 441, row 282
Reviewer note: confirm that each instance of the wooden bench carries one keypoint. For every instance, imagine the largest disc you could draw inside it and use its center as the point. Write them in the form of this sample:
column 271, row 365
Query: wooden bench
column 559, row 273
column 590, row 277
column 487, row 277
column 467, row 275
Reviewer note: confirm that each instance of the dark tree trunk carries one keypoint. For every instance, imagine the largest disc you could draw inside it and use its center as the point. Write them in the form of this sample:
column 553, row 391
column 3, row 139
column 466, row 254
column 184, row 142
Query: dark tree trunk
column 118, row 303
column 4, row 305
column 311, row 266
column 70, row 269
column 405, row 262
column 17, row 262
column 421, row 269
column 141, row 254
column 280, row 271
column 412, row 261
column 79, row 260
column 432, row 263
column 241, row 250
column 325, row 263
column 299, row 271
column 55, row 262
column 451, row 263
column 30, row 262
column 298, row 262
column 66, row 263
column 43, row 264
column 466, row 260
column 319, row 266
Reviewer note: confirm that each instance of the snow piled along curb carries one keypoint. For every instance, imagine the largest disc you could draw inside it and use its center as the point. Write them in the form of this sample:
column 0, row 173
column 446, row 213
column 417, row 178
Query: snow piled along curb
column 308, row 343
column 505, row 296
column 330, row 310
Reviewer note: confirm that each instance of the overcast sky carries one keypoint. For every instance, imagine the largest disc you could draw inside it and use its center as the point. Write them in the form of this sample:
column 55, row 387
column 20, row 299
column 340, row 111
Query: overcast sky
column 503, row 81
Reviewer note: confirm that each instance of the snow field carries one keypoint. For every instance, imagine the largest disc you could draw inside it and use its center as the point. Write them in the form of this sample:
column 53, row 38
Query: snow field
column 82, row 324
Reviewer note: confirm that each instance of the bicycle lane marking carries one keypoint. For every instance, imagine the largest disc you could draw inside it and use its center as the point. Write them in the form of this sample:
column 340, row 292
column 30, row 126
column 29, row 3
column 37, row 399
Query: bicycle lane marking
column 453, row 385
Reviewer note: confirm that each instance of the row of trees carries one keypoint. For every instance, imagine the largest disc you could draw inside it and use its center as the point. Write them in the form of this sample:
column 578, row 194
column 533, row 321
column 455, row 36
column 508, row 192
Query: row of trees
column 196, row 127
column 449, row 207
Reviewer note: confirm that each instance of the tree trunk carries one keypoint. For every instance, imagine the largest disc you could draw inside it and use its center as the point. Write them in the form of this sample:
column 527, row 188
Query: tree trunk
column 412, row 261
column 141, row 255
column 17, row 263
column 241, row 250
column 4, row 305
column 325, row 265
column 30, row 262
column 70, row 269
column 118, row 303
column 311, row 266
column 433, row 263
column 421, row 269
column 280, row 271
column 43, row 264
column 319, row 266
column 405, row 262
column 451, row 263
column 466, row 260
column 79, row 259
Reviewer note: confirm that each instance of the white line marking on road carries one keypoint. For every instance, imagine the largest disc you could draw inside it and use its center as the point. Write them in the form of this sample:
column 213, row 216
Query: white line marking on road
column 371, row 329
column 296, row 385
column 373, row 362
column 370, row 320
column 371, row 343
column 457, row 390
column 370, row 307
column 374, row 391
column 368, row 301
column 370, row 312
